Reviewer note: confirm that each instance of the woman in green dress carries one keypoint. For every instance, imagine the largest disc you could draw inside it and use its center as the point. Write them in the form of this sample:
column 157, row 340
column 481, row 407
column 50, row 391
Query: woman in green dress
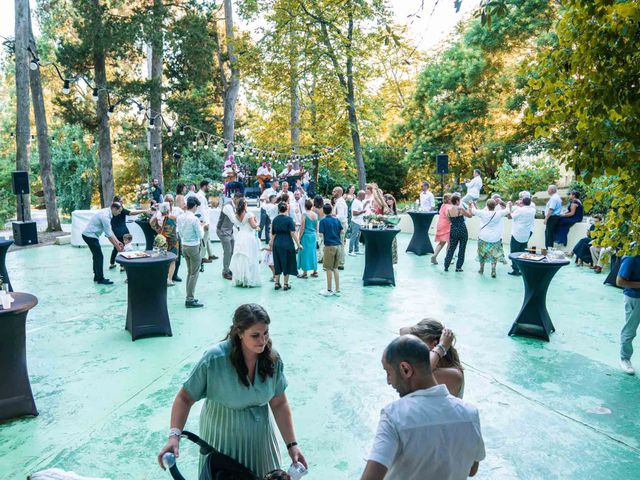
column 239, row 378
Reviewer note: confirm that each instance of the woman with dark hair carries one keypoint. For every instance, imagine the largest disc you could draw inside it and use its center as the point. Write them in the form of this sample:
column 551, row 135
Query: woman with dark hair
column 582, row 249
column 458, row 235
column 283, row 245
column 240, row 379
column 318, row 203
column 181, row 191
column 573, row 215
column 307, row 259
column 245, row 261
column 445, row 362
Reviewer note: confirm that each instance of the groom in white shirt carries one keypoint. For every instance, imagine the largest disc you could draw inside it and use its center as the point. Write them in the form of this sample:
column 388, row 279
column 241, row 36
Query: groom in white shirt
column 473, row 188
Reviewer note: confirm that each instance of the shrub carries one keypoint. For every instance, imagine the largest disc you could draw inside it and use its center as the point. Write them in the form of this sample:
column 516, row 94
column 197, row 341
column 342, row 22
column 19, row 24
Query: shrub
column 597, row 196
column 533, row 176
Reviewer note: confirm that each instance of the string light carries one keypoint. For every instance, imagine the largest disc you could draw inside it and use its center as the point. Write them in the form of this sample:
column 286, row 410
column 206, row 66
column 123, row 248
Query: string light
column 94, row 95
column 66, row 87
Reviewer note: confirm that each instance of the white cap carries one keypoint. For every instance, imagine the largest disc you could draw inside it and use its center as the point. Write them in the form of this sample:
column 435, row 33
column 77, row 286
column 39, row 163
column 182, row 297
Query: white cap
column 525, row 194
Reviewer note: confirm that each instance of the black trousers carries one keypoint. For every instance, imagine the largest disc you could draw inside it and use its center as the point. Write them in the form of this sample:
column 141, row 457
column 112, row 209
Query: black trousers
column 515, row 247
column 456, row 238
column 178, row 260
column 550, row 230
column 265, row 224
column 98, row 259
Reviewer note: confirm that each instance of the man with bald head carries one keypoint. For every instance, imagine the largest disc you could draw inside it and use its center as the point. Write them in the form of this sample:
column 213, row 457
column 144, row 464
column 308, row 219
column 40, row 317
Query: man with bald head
column 427, row 433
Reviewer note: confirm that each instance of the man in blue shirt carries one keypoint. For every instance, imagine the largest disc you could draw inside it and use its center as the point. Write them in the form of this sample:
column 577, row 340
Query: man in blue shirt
column 629, row 279
column 330, row 228
column 552, row 215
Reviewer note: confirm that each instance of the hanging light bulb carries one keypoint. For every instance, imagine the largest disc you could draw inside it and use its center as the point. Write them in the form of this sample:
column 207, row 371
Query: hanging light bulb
column 95, row 95
column 152, row 124
column 195, row 141
column 110, row 111
column 182, row 129
column 34, row 63
column 33, row 137
column 169, row 132
column 66, row 87
column 206, row 145
column 12, row 135
column 155, row 147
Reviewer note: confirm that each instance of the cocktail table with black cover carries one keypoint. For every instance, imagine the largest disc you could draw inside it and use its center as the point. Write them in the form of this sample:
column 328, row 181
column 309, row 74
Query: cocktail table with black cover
column 147, row 313
column 420, row 243
column 16, row 399
column 149, row 233
column 533, row 319
column 378, row 266
column 4, row 246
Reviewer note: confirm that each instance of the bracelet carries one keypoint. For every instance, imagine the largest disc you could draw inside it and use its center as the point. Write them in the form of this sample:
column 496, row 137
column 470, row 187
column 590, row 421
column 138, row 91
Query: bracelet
column 175, row 432
column 292, row 444
column 442, row 349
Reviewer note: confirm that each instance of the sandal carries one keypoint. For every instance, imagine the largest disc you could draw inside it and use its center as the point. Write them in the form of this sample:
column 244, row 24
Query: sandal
column 314, row 274
column 277, row 286
column 493, row 274
column 286, row 287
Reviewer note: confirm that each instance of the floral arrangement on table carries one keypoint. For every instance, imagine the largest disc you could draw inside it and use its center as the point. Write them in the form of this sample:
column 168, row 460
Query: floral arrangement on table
column 143, row 193
column 216, row 188
column 377, row 221
column 160, row 242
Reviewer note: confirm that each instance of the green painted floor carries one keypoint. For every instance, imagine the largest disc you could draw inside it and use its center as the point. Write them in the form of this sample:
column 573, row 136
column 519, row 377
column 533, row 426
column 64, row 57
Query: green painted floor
column 549, row 410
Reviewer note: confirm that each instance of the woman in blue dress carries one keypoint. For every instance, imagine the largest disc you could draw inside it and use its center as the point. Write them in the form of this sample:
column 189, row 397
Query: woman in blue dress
column 569, row 218
column 307, row 257
column 241, row 379
column 283, row 245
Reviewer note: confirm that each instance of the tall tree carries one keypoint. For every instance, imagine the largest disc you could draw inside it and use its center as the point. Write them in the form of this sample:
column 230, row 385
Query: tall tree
column 229, row 76
column 155, row 104
column 22, row 100
column 102, row 108
column 341, row 33
column 44, row 152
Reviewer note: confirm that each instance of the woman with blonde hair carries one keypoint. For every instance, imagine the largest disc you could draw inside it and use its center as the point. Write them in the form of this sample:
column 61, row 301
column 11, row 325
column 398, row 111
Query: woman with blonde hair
column 445, row 362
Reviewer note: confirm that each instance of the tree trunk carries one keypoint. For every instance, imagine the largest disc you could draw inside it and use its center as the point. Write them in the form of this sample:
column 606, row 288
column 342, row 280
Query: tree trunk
column 46, row 172
column 22, row 100
column 313, row 110
column 353, row 116
column 233, row 85
column 102, row 108
column 294, row 120
column 155, row 101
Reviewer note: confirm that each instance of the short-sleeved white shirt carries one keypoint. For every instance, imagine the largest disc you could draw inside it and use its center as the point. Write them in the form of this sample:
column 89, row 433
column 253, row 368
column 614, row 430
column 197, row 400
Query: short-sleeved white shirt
column 428, row 434
column 491, row 224
column 523, row 221
column 427, row 201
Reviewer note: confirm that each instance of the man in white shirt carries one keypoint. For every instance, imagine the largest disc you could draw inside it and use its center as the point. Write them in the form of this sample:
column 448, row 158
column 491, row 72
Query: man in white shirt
column 191, row 235
column 341, row 211
column 191, row 192
column 357, row 218
column 473, row 188
column 265, row 222
column 290, row 199
column 427, row 200
column 263, row 175
column 100, row 224
column 523, row 220
column 203, row 213
column 427, row 433
column 289, row 171
column 224, row 230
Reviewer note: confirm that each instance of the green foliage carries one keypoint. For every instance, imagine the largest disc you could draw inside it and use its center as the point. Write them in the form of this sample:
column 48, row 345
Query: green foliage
column 598, row 195
column 198, row 165
column 330, row 178
column 387, row 168
column 533, row 176
column 583, row 96
column 74, row 163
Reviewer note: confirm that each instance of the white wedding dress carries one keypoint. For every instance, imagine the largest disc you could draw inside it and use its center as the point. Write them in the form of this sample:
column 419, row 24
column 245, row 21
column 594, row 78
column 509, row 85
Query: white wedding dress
column 245, row 261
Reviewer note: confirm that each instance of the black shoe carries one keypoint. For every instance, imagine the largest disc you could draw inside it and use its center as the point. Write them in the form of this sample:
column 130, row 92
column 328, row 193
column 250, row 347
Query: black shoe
column 193, row 304
column 340, row 268
column 112, row 266
column 104, row 281
column 514, row 273
column 459, row 270
column 176, row 278
column 201, row 267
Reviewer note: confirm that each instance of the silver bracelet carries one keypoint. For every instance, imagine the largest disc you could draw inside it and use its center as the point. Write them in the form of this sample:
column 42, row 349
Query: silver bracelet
column 175, row 432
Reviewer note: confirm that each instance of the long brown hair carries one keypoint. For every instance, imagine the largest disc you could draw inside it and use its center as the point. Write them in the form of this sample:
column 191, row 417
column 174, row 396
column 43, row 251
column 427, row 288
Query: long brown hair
column 242, row 206
column 428, row 330
column 246, row 316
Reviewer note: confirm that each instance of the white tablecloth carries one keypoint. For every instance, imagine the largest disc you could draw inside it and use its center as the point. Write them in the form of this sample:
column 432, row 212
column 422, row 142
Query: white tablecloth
column 80, row 219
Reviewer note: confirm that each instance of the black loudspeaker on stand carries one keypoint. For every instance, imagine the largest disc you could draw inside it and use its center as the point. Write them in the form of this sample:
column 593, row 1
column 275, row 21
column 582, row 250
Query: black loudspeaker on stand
column 442, row 164
column 24, row 233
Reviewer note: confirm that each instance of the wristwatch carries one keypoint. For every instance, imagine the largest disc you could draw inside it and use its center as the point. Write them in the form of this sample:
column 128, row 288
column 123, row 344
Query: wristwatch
column 175, row 432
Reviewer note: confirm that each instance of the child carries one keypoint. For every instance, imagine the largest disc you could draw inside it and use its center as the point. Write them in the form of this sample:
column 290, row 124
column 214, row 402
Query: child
column 268, row 260
column 127, row 238
column 330, row 229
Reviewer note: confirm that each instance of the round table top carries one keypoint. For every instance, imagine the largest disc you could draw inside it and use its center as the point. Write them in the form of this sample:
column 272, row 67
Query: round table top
column 6, row 242
column 21, row 303
column 378, row 230
column 169, row 257
column 544, row 261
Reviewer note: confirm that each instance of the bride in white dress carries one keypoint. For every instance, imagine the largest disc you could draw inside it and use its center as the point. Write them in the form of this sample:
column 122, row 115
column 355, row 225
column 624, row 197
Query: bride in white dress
column 245, row 264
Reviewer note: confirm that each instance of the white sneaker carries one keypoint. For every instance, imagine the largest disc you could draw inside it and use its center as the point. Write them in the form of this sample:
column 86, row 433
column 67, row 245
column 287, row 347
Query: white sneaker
column 627, row 367
column 351, row 254
column 337, row 293
column 359, row 253
column 326, row 293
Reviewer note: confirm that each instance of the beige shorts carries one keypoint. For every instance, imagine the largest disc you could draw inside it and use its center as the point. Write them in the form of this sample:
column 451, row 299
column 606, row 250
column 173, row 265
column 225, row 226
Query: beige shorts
column 331, row 257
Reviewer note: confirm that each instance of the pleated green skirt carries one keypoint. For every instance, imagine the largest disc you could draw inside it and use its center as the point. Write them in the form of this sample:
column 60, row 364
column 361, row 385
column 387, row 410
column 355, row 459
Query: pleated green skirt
column 247, row 435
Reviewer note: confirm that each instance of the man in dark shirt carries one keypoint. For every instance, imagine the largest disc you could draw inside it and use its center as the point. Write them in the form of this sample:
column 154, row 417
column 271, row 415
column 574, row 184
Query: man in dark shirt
column 119, row 227
column 330, row 228
column 156, row 191
column 629, row 278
